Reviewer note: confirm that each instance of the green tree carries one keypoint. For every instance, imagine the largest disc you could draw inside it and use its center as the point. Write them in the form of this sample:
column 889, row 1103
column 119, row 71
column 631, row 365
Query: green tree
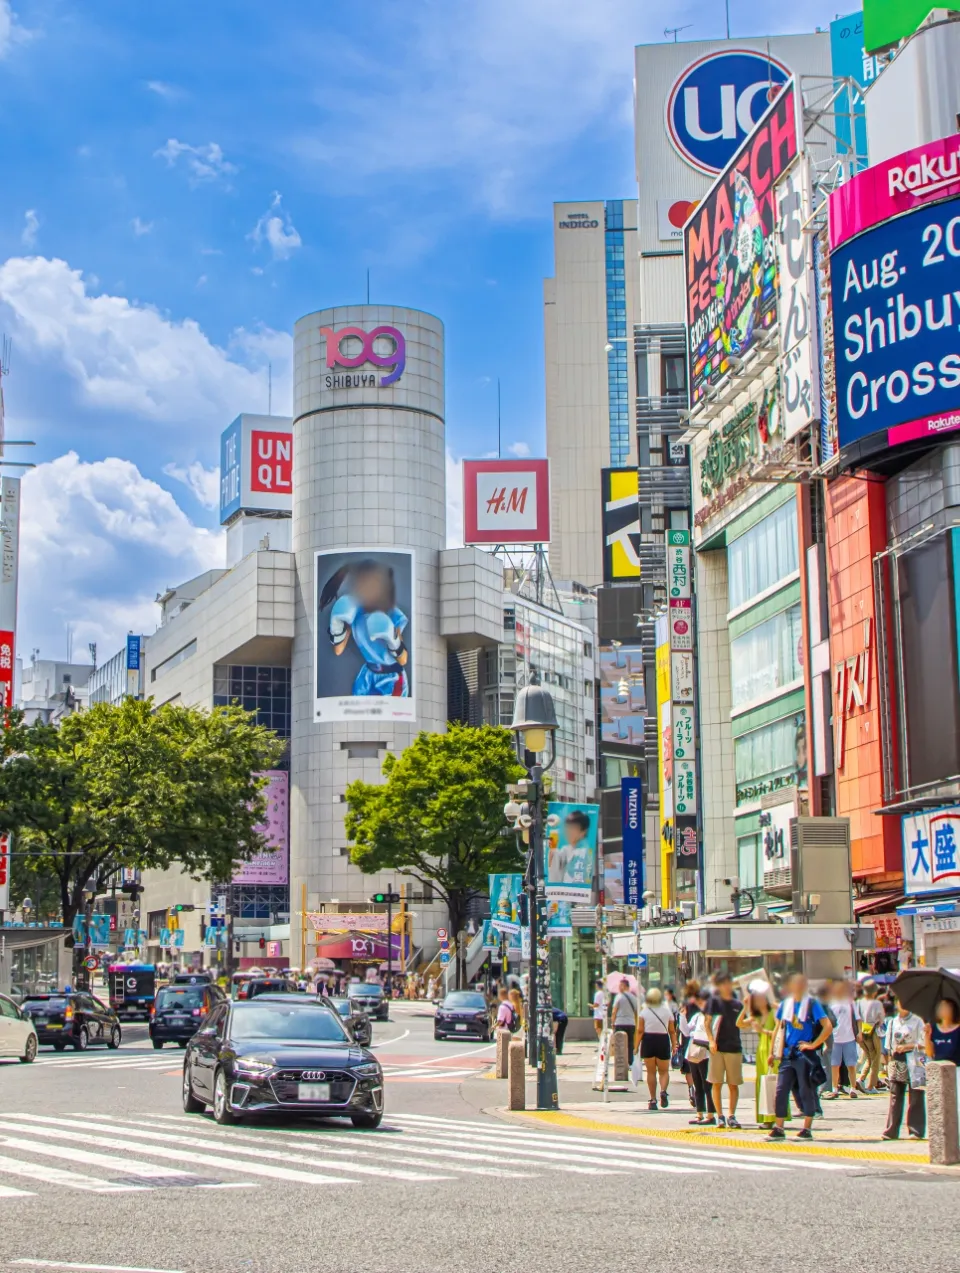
column 132, row 786
column 438, row 816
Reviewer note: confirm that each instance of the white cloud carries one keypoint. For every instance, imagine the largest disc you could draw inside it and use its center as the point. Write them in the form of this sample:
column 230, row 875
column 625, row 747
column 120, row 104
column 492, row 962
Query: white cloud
column 10, row 30
column 276, row 230
column 520, row 449
column 204, row 163
column 203, row 482
column 126, row 356
column 169, row 92
column 454, row 476
column 99, row 540
column 141, row 227
column 31, row 224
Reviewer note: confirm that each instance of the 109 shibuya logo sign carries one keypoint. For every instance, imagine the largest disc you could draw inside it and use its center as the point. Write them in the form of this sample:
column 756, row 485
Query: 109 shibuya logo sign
column 715, row 103
column 369, row 353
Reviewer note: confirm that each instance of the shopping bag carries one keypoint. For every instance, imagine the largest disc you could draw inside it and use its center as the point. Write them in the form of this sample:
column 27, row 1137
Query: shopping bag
column 766, row 1106
column 636, row 1070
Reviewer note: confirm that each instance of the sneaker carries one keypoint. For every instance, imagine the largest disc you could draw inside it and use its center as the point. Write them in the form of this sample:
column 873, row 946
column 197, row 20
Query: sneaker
column 721, row 1121
column 708, row 1122
column 853, row 1095
column 697, row 1122
column 917, row 1136
column 830, row 1096
column 652, row 1105
column 805, row 1134
column 732, row 1122
column 777, row 1133
column 888, row 1136
column 664, row 1100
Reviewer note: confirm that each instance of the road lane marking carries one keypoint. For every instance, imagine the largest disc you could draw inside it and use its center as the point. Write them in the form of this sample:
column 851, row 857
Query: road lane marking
column 386, row 1042
column 96, row 1268
column 122, row 1166
column 57, row 1176
column 241, row 1167
column 8, row 1191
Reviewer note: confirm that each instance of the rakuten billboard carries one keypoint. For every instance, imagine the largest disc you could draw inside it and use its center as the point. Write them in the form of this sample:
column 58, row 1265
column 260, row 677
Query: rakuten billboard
column 256, row 466
column 895, row 295
column 506, row 501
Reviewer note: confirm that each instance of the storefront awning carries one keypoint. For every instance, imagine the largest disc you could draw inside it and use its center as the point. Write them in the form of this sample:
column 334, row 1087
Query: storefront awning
column 876, row 903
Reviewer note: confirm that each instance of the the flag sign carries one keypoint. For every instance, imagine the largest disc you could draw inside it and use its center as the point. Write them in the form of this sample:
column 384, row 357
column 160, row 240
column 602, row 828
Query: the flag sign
column 178, row 936
column 887, row 22
column 4, row 872
column 164, row 936
column 100, row 931
column 632, row 818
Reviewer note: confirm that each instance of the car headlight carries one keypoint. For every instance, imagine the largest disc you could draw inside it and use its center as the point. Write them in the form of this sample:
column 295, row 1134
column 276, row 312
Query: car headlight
column 369, row 1069
column 253, row 1069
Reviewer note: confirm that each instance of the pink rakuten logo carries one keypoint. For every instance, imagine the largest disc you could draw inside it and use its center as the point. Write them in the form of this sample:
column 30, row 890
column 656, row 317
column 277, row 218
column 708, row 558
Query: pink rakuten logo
column 396, row 360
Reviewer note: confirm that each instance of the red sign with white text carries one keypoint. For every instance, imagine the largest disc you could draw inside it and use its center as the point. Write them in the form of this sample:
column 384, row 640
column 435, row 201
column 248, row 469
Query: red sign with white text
column 271, row 462
column 506, row 501
column 6, row 667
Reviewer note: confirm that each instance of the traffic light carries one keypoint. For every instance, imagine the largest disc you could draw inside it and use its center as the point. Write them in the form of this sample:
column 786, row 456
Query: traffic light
column 524, row 907
column 183, row 906
column 382, row 899
column 263, row 943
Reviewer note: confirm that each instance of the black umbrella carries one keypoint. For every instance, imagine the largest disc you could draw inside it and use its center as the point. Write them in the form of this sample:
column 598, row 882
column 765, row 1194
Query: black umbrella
column 919, row 990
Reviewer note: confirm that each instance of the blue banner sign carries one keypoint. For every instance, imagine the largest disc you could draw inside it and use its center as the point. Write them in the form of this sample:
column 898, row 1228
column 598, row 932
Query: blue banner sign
column 632, row 817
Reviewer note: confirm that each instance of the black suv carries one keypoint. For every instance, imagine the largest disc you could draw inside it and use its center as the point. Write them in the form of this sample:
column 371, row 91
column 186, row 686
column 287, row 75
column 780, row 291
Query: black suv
column 368, row 996
column 180, row 1011
column 75, row 1017
column 266, row 986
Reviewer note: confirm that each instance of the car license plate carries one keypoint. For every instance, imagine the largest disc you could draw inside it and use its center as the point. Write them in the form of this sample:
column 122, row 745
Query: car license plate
column 48, row 1025
column 178, row 1020
column 313, row 1091
column 460, row 1027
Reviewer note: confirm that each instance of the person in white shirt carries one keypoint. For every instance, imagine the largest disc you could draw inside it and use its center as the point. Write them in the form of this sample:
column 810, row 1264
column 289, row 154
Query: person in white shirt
column 907, row 1075
column 844, row 1038
column 657, row 1035
column 599, row 1009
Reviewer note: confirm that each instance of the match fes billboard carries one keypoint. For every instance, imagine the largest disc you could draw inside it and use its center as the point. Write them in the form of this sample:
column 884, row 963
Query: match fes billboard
column 730, row 249
column 506, row 501
column 364, row 666
column 256, row 466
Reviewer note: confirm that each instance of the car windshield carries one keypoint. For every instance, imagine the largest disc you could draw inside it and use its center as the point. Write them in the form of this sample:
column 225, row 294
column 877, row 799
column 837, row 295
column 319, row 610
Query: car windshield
column 44, row 1005
column 341, row 1005
column 298, row 1023
column 180, row 997
column 362, row 989
column 464, row 999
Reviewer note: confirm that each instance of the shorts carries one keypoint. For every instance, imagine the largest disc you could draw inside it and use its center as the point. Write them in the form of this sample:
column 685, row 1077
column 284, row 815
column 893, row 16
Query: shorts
column 725, row 1067
column 655, row 1047
column 844, row 1054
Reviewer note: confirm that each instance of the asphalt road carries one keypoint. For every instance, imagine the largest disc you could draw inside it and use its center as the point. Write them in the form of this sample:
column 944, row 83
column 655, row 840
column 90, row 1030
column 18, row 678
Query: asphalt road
column 441, row 1187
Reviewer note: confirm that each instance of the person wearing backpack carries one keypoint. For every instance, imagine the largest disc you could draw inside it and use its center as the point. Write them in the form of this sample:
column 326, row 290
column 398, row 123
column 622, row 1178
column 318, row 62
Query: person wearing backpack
column 516, row 1003
column 803, row 1028
column 505, row 1012
column 625, row 1014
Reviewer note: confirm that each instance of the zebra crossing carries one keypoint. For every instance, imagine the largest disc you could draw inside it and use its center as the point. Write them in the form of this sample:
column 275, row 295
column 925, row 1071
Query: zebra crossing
column 101, row 1153
column 120, row 1060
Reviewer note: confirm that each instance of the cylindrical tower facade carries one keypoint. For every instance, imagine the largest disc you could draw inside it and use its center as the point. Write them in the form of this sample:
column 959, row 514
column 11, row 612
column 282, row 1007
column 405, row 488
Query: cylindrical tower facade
column 369, row 665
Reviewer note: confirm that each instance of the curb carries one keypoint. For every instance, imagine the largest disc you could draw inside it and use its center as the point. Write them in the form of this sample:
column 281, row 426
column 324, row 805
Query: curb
column 578, row 1123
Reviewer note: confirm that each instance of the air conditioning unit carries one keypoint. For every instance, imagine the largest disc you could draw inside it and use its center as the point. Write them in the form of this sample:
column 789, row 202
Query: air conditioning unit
column 819, row 867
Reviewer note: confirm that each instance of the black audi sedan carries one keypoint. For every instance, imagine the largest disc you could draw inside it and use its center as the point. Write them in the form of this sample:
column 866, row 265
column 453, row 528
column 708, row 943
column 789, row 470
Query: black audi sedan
column 280, row 1055
column 463, row 1013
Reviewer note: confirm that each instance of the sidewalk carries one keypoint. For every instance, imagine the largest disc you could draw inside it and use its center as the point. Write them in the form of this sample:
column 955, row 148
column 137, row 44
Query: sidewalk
column 850, row 1129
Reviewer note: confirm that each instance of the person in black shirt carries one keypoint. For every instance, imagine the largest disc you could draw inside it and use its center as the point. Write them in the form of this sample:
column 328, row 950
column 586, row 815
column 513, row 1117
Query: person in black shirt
column 726, row 1050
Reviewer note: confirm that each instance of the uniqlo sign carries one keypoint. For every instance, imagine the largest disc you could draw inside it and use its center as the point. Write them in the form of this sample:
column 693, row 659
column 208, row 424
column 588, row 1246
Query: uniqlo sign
column 256, row 466
column 506, row 501
column 271, row 462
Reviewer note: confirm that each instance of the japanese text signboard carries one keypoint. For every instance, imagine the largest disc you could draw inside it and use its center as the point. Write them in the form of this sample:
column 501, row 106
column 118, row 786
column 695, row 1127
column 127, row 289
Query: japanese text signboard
column 931, row 843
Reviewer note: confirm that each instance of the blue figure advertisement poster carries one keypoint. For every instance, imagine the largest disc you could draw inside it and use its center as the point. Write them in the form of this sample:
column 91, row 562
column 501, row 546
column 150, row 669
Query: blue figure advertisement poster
column 559, row 921
column 365, row 629
column 505, row 893
column 492, row 939
column 570, row 852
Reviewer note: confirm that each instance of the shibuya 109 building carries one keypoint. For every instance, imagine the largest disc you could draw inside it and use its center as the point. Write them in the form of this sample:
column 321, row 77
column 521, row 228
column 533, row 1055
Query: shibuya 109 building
column 336, row 618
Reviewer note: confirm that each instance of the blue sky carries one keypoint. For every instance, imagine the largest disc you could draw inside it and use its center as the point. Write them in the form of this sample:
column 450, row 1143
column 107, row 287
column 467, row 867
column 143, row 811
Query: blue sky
column 182, row 181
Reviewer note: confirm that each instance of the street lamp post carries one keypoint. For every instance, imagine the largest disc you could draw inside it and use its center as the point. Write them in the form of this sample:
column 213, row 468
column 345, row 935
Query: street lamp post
column 534, row 726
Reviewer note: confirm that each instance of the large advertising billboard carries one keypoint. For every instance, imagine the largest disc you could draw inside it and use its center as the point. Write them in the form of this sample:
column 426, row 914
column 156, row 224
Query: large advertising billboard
column 895, row 316
column 570, row 852
column 505, row 893
column 364, row 665
column 623, row 702
column 730, row 255
column 256, row 466
column 799, row 346
column 506, row 501
column 270, row 867
column 621, row 524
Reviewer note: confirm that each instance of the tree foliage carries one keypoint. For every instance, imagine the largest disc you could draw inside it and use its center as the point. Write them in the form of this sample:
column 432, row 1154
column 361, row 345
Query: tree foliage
column 438, row 816
column 133, row 786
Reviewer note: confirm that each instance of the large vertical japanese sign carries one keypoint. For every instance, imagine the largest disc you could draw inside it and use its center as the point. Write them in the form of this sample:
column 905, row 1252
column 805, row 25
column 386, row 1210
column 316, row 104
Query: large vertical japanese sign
column 676, row 690
column 799, row 354
column 632, row 819
column 9, row 572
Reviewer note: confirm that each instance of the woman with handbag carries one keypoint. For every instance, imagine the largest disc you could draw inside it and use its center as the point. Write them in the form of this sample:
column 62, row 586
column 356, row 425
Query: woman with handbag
column 759, row 1017
column 698, row 1059
column 906, row 1075
column 656, row 1038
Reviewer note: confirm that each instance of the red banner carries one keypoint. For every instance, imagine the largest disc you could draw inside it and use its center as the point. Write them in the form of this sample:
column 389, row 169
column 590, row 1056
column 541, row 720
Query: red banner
column 6, row 667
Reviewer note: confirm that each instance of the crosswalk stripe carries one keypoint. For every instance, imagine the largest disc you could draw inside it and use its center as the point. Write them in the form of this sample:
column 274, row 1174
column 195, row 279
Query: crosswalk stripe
column 57, row 1176
column 703, row 1153
column 123, row 1166
column 124, row 1063
column 7, row 1191
column 238, row 1165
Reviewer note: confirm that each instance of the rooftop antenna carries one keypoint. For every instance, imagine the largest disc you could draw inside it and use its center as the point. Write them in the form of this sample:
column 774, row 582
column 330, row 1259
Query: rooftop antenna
column 675, row 31
column 269, row 388
column 499, row 446
column 728, row 18
column 368, row 284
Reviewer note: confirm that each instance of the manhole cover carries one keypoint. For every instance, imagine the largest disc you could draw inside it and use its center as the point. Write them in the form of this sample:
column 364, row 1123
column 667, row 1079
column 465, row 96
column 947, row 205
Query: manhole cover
column 163, row 1182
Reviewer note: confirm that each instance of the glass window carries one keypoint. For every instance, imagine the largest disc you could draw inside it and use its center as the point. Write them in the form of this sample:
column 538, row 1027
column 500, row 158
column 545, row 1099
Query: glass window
column 766, row 658
column 673, row 374
column 771, row 757
column 766, row 554
column 748, row 861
